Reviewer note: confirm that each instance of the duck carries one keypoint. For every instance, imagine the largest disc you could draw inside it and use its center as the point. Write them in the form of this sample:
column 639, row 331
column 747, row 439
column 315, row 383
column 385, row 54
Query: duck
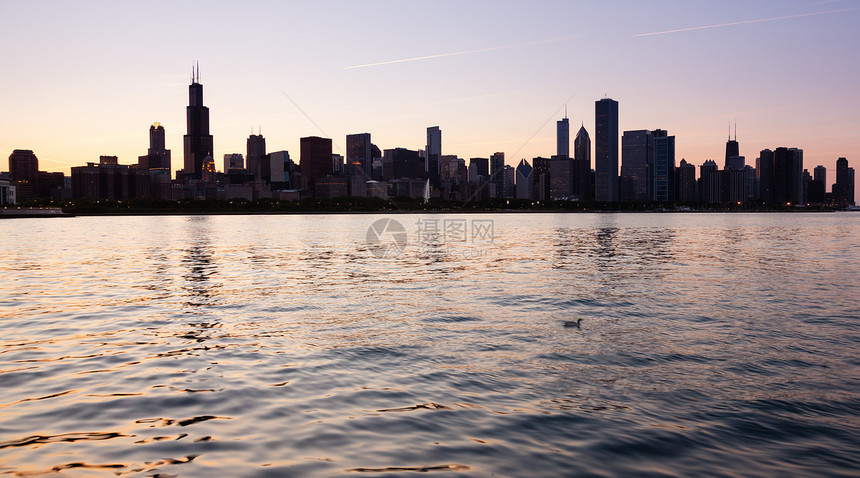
column 572, row 323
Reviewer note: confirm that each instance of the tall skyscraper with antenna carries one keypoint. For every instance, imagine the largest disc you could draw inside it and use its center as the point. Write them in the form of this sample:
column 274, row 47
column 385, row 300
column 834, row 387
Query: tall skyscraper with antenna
column 198, row 141
column 562, row 136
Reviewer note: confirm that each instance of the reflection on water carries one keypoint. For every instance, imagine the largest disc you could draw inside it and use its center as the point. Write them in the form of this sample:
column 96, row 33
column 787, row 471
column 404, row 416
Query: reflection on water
column 279, row 345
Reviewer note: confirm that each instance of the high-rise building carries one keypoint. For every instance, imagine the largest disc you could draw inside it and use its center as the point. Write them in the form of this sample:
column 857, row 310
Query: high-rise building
column 709, row 182
column 198, row 141
column 479, row 169
column 787, row 176
column 255, row 152
column 561, row 178
column 606, row 150
column 820, row 174
column 637, row 161
column 510, row 182
column 23, row 165
column 663, row 171
column 764, row 174
column 359, row 155
column 843, row 190
column 524, row 182
column 157, row 156
column 562, row 137
column 541, row 177
column 315, row 160
column 497, row 173
column 433, row 155
column 402, row 163
column 233, row 161
column 582, row 165
column 685, row 182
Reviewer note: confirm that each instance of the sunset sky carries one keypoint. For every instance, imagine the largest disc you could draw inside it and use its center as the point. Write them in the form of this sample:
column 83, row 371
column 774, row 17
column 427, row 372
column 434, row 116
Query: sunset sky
column 82, row 79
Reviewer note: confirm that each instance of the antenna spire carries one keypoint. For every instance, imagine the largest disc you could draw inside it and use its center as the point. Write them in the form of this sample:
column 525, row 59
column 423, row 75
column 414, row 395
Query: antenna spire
column 736, row 131
column 198, row 71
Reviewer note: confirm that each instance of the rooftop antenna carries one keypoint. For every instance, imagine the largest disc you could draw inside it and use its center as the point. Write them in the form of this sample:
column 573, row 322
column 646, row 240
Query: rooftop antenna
column 198, row 71
column 730, row 130
column 565, row 111
column 736, row 131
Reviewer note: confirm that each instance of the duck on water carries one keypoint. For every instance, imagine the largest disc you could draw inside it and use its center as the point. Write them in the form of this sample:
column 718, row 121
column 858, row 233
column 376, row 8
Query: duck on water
column 573, row 323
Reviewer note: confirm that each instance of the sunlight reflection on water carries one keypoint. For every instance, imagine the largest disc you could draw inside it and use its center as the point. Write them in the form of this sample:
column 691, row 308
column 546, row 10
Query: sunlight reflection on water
column 272, row 345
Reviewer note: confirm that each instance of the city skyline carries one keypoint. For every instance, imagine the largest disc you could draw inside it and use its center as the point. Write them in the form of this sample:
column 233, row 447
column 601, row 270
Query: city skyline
column 781, row 73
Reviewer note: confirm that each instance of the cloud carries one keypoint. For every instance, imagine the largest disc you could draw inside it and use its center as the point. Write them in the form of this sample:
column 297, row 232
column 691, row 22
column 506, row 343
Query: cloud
column 744, row 22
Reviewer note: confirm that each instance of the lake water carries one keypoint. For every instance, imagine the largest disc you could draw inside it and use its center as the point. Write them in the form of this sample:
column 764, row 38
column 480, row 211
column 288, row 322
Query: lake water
column 307, row 345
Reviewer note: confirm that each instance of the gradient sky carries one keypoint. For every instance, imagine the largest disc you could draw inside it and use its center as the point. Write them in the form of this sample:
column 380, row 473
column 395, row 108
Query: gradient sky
column 82, row 79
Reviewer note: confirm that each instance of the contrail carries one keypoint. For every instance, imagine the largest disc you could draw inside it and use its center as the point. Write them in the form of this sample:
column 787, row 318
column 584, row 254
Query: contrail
column 747, row 21
column 457, row 53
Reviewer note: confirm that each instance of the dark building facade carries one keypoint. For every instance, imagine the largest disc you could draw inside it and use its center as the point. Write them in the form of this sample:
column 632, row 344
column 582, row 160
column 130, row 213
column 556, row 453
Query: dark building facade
column 433, row 155
column 255, row 154
column 315, row 160
column 606, row 150
column 582, row 165
column 157, row 156
column 401, row 163
column 359, row 155
column 685, row 182
column 843, row 189
column 663, row 170
column 497, row 173
column 23, row 165
column 637, row 159
column 198, row 141
column 562, row 137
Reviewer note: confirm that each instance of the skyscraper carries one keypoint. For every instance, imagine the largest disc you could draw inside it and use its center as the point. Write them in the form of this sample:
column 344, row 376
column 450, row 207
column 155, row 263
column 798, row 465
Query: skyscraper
column 433, row 154
column 198, row 141
column 233, row 161
column 843, row 190
column 663, row 172
column 315, row 160
column 255, row 152
column 524, row 182
column 685, row 182
column 497, row 172
column 359, row 156
column 157, row 157
column 764, row 172
column 582, row 165
column 562, row 137
column 606, row 150
column 23, row 165
column 637, row 161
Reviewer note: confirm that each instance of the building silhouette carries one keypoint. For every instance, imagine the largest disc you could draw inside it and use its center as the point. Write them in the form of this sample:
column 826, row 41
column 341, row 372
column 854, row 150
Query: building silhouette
column 359, row 155
column 562, row 137
column 685, row 182
column 637, row 161
column 541, row 177
column 663, row 171
column 582, row 183
column 524, row 181
column 198, row 141
column 561, row 178
column 606, row 150
column 433, row 155
column 497, row 173
column 315, row 160
column 843, row 189
column 157, row 156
